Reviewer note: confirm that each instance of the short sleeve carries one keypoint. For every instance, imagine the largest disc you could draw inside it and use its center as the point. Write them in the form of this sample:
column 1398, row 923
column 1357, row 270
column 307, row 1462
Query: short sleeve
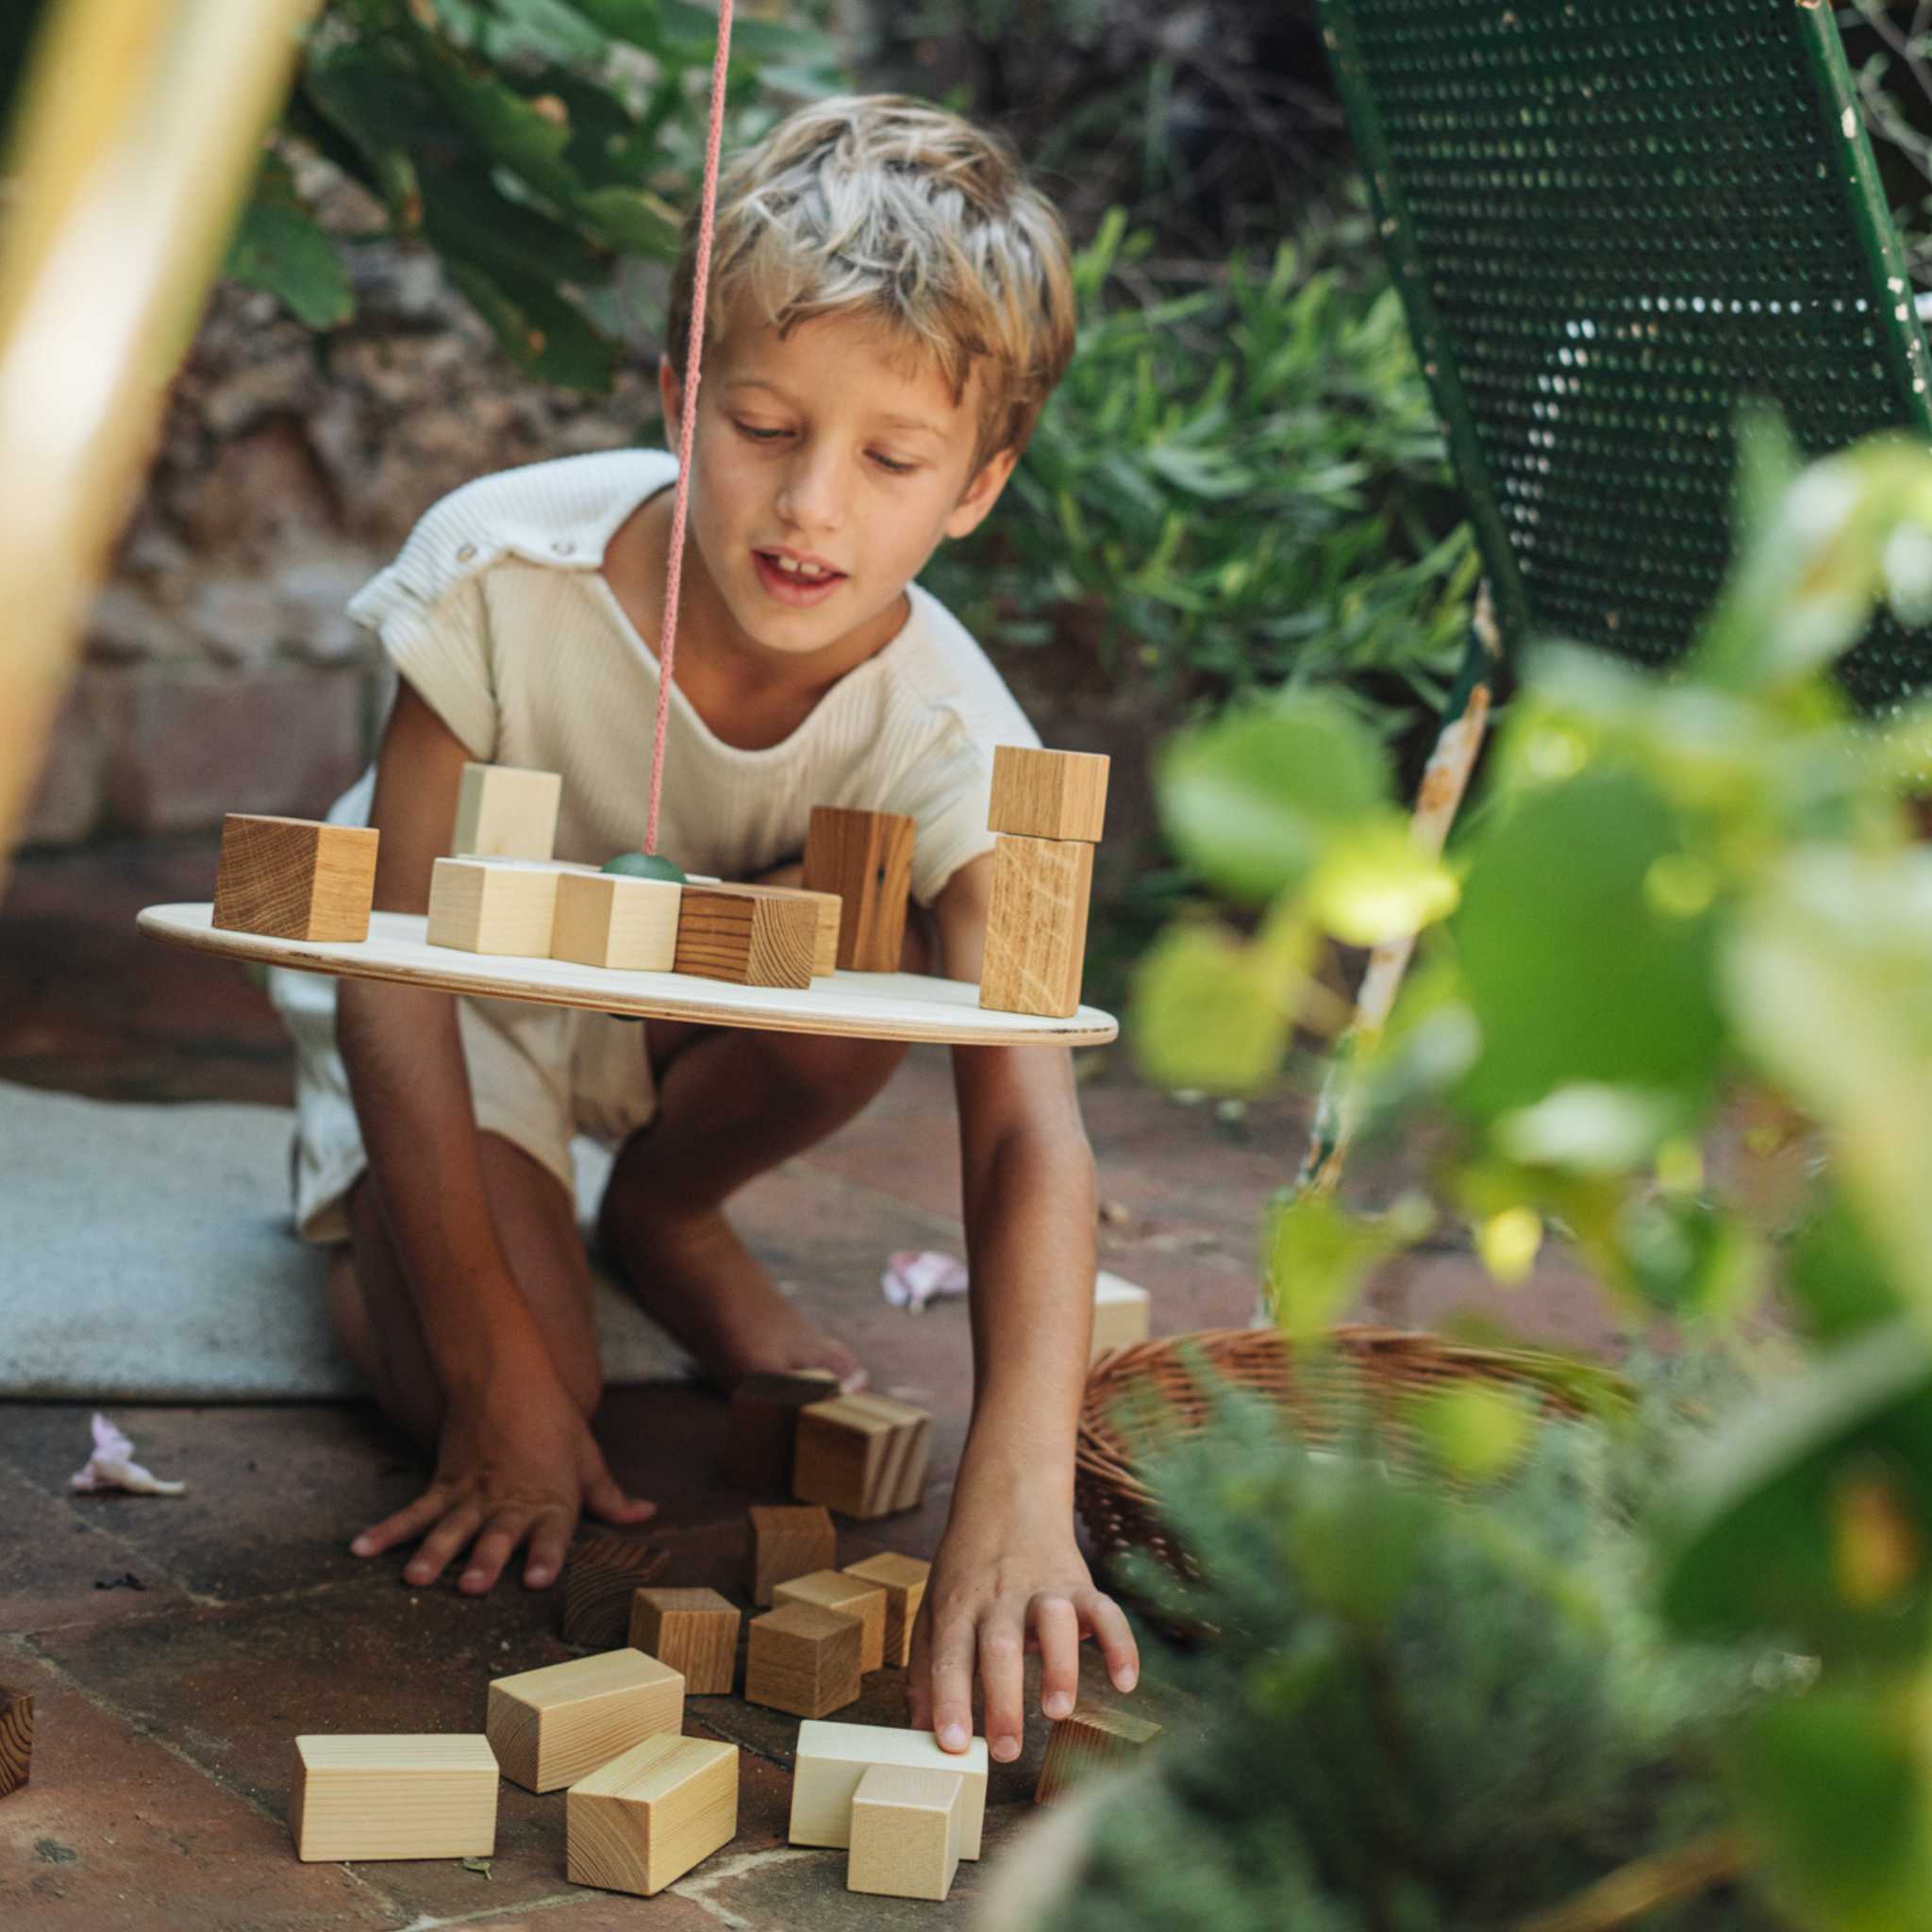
column 441, row 644
column 948, row 794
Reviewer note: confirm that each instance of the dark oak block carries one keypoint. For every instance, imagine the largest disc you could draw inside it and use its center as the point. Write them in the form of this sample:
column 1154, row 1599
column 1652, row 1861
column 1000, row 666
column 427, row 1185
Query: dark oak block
column 16, row 1738
column 598, row 1583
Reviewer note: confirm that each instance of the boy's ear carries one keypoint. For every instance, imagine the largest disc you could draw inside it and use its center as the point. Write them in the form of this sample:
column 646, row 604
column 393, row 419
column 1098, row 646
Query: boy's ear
column 670, row 395
column 982, row 494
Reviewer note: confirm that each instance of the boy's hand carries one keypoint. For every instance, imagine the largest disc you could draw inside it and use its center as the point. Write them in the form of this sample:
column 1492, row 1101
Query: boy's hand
column 516, row 1461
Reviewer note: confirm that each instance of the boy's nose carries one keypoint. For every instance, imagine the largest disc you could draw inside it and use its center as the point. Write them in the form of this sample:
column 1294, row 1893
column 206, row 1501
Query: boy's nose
column 811, row 497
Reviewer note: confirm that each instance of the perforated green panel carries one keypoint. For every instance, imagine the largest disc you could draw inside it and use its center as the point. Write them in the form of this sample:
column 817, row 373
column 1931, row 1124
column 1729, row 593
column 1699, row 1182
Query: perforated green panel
column 1611, row 221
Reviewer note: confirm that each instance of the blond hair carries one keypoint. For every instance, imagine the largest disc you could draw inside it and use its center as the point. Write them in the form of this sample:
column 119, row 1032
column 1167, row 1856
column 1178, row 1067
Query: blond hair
column 880, row 206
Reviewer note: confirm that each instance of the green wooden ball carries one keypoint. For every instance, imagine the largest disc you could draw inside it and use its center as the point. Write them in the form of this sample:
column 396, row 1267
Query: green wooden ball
column 645, row 865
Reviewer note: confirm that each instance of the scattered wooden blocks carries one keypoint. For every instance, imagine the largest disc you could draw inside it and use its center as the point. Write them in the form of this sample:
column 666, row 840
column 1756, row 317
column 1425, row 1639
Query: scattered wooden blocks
column 599, row 1581
column 864, row 1454
column 402, row 1797
column 803, row 1659
column 832, row 1758
column 904, row 1580
column 852, row 1596
column 16, row 1738
column 498, row 906
column 505, row 812
column 907, row 1822
column 1048, row 794
column 295, row 879
column 694, row 1631
column 644, row 1820
column 603, row 919
column 764, row 1424
column 1120, row 1313
column 866, row 858
column 1036, row 926
column 550, row 1727
column 787, row 1542
column 750, row 935
column 1093, row 1739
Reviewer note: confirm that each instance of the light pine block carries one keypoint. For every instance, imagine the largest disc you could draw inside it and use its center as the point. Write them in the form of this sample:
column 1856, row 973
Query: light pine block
column 907, row 1822
column 393, row 1798
column 866, row 858
column 750, row 935
column 507, row 811
column 1048, row 794
column 787, row 1541
column 833, row 1757
column 694, row 1631
column 550, row 1727
column 804, row 1659
column 1120, row 1313
column 904, row 1580
column 16, row 1738
column 1093, row 1739
column 863, row 1455
column 507, row 906
column 603, row 919
column 601, row 1576
column 642, row 1821
column 1036, row 926
column 764, row 1424
column 852, row 1596
column 296, row 879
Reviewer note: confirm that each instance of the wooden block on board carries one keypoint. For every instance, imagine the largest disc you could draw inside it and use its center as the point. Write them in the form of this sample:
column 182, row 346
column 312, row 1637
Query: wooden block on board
column 599, row 1581
column 907, row 1820
column 1120, row 1313
column 694, row 1631
column 505, row 812
column 603, row 919
column 1093, row 1739
column 904, row 1580
column 864, row 1454
column 505, row 907
column 549, row 1726
column 764, row 1424
column 750, row 935
column 866, row 858
column 832, row 1758
column 402, row 1797
column 787, row 1542
column 851, row 1596
column 295, row 879
column 642, row 1821
column 827, row 908
column 1036, row 926
column 16, row 1738
column 1048, row 794
column 803, row 1659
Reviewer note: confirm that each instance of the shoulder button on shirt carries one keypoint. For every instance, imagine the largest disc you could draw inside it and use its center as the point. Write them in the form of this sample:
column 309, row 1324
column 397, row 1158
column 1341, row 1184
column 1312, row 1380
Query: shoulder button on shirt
column 465, row 554
column 563, row 547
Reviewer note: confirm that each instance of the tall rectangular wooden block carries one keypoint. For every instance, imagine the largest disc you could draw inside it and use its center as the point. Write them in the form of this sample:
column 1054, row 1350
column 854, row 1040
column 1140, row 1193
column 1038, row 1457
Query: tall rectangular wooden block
column 851, row 1596
column 1048, row 794
column 863, row 1455
column 694, row 1631
column 16, row 1738
column 746, row 934
column 295, row 879
column 1120, row 1313
column 1093, row 1739
column 401, row 1797
column 803, row 1659
column 764, row 1424
column 549, row 1726
column 500, row 905
column 1036, row 926
column 833, row 1757
column 904, row 1580
column 603, row 919
column 907, row 1822
column 505, row 812
column 866, row 858
column 644, row 1820
column 601, row 1578
column 787, row 1542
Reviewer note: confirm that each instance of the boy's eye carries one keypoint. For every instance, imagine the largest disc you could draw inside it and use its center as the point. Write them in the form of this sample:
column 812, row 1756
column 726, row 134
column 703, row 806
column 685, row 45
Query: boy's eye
column 754, row 433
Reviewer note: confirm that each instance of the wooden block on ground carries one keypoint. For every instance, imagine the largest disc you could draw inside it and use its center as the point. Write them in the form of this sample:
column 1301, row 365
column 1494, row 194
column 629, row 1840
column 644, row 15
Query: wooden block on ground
column 505, row 812
column 1036, row 926
column 904, row 1580
column 642, row 1821
column 852, row 1596
column 495, row 906
column 764, row 1422
column 16, row 1738
column 751, row 936
column 599, row 1581
column 603, row 919
column 866, row 858
column 865, row 1455
column 803, row 1659
column 1048, row 794
column 295, row 879
column 550, row 1727
column 787, row 1541
column 1120, row 1313
column 1093, row 1739
column 907, row 1822
column 694, row 1631
column 832, row 1758
column 402, row 1797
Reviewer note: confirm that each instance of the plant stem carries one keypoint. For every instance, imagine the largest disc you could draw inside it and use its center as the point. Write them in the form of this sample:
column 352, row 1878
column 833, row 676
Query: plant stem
column 1645, row 1884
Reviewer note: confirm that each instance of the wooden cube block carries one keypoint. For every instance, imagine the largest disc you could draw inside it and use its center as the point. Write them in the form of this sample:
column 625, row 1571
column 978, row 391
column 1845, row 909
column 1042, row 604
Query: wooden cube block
column 1120, row 1313
column 907, row 1822
column 550, row 1727
column 904, row 1580
column 866, row 858
column 852, row 1596
column 764, row 1424
column 750, row 935
column 803, row 1659
column 497, row 906
column 401, row 1797
column 864, row 1454
column 1048, row 794
column 694, row 1631
column 599, row 1581
column 832, row 1758
column 505, row 812
column 642, row 1821
column 603, row 919
column 295, row 879
column 1036, row 926
column 16, row 1738
column 1093, row 1739
column 787, row 1543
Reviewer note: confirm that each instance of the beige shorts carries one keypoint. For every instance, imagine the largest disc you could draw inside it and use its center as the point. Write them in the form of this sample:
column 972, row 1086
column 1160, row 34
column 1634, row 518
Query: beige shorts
column 538, row 1075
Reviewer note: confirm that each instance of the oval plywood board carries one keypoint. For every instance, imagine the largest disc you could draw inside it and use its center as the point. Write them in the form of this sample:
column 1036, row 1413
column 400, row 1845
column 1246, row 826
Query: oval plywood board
column 868, row 1006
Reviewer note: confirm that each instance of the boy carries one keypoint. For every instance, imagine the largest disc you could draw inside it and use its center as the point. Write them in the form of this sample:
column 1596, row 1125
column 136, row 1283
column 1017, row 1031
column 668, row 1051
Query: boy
column 890, row 306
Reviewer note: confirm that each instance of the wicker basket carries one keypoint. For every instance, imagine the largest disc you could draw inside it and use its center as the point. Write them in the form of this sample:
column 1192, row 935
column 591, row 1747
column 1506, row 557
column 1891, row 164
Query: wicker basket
column 1379, row 1369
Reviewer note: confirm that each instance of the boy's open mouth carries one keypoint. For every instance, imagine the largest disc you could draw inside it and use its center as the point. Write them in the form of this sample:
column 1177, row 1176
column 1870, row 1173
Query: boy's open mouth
column 803, row 585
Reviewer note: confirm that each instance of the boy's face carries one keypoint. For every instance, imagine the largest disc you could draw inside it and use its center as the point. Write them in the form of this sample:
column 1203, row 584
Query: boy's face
column 821, row 446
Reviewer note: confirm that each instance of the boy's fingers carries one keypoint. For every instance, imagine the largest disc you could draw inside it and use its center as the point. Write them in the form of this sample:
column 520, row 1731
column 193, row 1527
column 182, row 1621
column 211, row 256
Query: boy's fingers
column 604, row 1497
column 1002, row 1654
column 548, row 1541
column 918, row 1673
column 1109, row 1624
column 442, row 1543
column 404, row 1526
column 493, row 1549
column 1057, row 1627
column 952, row 1685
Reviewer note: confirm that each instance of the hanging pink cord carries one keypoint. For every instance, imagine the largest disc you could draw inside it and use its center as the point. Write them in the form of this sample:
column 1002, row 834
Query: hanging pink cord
column 693, row 360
